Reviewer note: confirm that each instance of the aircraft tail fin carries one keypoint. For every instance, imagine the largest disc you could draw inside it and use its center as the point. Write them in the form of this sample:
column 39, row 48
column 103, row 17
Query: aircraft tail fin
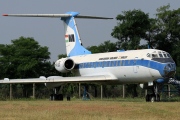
column 73, row 42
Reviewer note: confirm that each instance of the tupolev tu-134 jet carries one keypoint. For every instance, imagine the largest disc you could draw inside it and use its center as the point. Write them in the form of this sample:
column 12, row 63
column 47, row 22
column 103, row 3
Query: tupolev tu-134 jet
column 148, row 67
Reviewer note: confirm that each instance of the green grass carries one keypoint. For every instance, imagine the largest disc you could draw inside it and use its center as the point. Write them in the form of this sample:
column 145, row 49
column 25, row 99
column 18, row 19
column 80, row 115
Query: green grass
column 96, row 109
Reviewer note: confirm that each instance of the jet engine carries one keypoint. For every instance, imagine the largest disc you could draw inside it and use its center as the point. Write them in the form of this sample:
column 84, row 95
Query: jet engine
column 64, row 65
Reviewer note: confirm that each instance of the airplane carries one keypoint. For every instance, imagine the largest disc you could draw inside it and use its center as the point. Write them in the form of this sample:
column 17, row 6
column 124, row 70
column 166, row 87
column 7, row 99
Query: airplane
column 150, row 68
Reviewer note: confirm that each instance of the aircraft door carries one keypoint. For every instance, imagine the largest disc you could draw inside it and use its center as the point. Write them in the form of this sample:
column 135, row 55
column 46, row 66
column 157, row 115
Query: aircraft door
column 135, row 67
column 151, row 72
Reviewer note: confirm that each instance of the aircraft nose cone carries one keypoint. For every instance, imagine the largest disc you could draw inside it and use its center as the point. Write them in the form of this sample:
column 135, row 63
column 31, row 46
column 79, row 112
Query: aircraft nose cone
column 169, row 70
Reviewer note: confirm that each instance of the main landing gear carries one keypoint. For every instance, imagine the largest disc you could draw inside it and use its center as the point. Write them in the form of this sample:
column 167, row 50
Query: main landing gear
column 56, row 96
column 154, row 97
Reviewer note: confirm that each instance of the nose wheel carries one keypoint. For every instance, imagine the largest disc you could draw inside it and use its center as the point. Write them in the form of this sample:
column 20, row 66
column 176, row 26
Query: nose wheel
column 154, row 97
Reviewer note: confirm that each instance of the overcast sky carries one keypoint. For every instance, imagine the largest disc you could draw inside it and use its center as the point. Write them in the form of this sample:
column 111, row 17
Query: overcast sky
column 50, row 31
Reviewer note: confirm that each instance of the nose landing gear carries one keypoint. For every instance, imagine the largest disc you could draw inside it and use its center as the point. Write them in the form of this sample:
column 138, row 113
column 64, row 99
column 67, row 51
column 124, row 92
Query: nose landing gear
column 154, row 97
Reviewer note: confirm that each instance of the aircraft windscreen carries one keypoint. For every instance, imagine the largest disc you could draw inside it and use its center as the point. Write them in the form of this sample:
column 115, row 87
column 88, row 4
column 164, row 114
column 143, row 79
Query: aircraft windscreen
column 154, row 56
column 165, row 55
column 160, row 55
column 168, row 55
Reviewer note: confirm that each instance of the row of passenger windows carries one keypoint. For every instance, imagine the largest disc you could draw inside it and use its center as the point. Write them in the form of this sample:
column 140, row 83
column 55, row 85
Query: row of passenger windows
column 106, row 64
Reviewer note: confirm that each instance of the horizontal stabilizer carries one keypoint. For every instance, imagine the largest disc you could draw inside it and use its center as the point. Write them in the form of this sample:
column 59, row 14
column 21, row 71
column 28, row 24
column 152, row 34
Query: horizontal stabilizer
column 55, row 16
column 91, row 17
column 38, row 15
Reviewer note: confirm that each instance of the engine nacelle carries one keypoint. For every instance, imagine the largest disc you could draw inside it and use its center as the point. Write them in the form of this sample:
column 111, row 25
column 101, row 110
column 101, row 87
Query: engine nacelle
column 64, row 65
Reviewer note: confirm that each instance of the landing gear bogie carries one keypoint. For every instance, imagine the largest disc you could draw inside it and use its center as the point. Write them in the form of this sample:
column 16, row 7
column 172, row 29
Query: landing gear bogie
column 152, row 98
column 54, row 97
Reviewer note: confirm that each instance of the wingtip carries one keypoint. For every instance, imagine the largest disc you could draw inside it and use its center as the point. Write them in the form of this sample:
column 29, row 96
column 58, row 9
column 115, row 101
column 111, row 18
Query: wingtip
column 5, row 15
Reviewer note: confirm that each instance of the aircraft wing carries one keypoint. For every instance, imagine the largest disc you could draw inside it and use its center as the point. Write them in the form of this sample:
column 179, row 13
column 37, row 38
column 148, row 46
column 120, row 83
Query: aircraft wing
column 59, row 79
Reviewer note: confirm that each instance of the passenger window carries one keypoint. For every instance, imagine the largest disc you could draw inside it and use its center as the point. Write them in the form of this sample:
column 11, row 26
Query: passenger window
column 80, row 65
column 124, row 63
column 99, row 64
column 94, row 64
column 154, row 56
column 85, row 65
column 104, row 63
column 107, row 63
column 160, row 55
column 115, row 63
column 91, row 65
column 118, row 63
column 112, row 63
column 121, row 62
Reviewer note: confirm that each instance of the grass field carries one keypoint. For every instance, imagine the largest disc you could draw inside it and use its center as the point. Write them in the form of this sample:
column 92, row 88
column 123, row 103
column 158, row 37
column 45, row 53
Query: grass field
column 117, row 109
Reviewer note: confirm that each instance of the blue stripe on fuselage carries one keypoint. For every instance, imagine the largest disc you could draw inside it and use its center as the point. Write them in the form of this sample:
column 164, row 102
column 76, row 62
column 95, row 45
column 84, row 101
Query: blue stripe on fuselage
column 115, row 63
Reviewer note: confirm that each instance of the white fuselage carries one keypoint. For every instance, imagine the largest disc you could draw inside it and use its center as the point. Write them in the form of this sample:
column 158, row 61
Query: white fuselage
column 134, row 66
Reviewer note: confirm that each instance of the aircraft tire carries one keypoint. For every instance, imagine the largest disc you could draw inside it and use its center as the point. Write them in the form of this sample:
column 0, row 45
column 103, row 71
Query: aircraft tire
column 54, row 97
column 60, row 97
column 158, row 98
column 152, row 98
column 147, row 98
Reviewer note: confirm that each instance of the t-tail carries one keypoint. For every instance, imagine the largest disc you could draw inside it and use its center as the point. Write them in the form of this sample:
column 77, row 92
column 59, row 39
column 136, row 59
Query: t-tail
column 72, row 39
column 73, row 42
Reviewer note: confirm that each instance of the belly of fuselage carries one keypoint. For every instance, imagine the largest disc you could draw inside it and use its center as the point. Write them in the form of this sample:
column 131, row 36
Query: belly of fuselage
column 124, row 74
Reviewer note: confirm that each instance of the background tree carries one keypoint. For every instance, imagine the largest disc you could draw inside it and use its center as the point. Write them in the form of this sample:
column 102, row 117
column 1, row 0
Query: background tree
column 107, row 46
column 168, row 34
column 24, row 58
column 151, row 32
column 131, row 28
column 168, row 28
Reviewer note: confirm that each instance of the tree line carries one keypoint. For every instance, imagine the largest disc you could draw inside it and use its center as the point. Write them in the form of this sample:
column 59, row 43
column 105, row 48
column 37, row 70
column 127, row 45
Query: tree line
column 25, row 58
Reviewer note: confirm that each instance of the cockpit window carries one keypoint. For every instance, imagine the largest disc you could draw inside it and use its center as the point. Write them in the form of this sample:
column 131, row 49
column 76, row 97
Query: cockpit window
column 160, row 55
column 165, row 55
column 169, row 55
column 154, row 56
